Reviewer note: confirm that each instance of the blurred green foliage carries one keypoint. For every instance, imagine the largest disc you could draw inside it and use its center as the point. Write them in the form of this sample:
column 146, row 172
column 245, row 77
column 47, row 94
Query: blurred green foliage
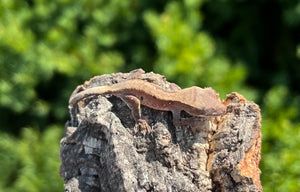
column 49, row 47
column 31, row 163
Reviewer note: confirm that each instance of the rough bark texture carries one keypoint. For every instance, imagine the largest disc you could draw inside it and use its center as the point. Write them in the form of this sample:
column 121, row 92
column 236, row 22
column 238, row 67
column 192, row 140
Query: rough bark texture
column 100, row 152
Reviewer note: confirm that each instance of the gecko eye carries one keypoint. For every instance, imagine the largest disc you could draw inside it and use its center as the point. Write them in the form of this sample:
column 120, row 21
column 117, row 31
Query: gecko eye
column 142, row 98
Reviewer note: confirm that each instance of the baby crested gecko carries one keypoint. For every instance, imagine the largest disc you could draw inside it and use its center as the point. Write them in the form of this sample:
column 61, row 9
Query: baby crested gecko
column 194, row 100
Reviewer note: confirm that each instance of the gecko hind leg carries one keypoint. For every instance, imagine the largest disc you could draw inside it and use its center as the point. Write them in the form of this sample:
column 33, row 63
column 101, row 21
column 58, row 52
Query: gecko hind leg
column 143, row 125
column 135, row 106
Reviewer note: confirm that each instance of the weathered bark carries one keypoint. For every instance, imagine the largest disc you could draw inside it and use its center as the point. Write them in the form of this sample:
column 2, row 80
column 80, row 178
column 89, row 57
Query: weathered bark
column 100, row 151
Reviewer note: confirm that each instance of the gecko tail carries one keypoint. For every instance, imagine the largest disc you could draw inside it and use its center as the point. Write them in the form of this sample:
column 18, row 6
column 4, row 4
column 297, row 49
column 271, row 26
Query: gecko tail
column 76, row 97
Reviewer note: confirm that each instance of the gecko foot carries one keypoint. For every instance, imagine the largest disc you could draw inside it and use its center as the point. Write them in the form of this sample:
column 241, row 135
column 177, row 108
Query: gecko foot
column 143, row 126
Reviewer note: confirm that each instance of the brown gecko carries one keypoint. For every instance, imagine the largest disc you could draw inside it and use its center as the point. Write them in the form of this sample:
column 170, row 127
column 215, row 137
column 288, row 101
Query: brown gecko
column 194, row 100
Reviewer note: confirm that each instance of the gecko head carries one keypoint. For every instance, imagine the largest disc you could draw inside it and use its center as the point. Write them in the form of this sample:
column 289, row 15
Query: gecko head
column 214, row 106
column 205, row 102
column 216, row 110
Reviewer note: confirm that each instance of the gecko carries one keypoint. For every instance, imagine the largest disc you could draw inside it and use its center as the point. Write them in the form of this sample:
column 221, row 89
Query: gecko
column 194, row 100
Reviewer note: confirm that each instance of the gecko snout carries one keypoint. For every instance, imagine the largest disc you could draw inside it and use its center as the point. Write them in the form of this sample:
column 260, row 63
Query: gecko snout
column 220, row 109
column 216, row 110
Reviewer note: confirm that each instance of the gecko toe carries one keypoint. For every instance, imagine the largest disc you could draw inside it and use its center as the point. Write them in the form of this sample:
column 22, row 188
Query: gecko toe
column 143, row 126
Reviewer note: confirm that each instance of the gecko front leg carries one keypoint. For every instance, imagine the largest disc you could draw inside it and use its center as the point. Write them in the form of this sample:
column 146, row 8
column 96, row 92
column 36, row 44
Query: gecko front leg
column 195, row 123
column 176, row 118
column 134, row 105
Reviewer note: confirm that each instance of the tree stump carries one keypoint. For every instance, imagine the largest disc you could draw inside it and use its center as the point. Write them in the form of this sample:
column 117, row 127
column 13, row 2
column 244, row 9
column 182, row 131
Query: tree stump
column 100, row 151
